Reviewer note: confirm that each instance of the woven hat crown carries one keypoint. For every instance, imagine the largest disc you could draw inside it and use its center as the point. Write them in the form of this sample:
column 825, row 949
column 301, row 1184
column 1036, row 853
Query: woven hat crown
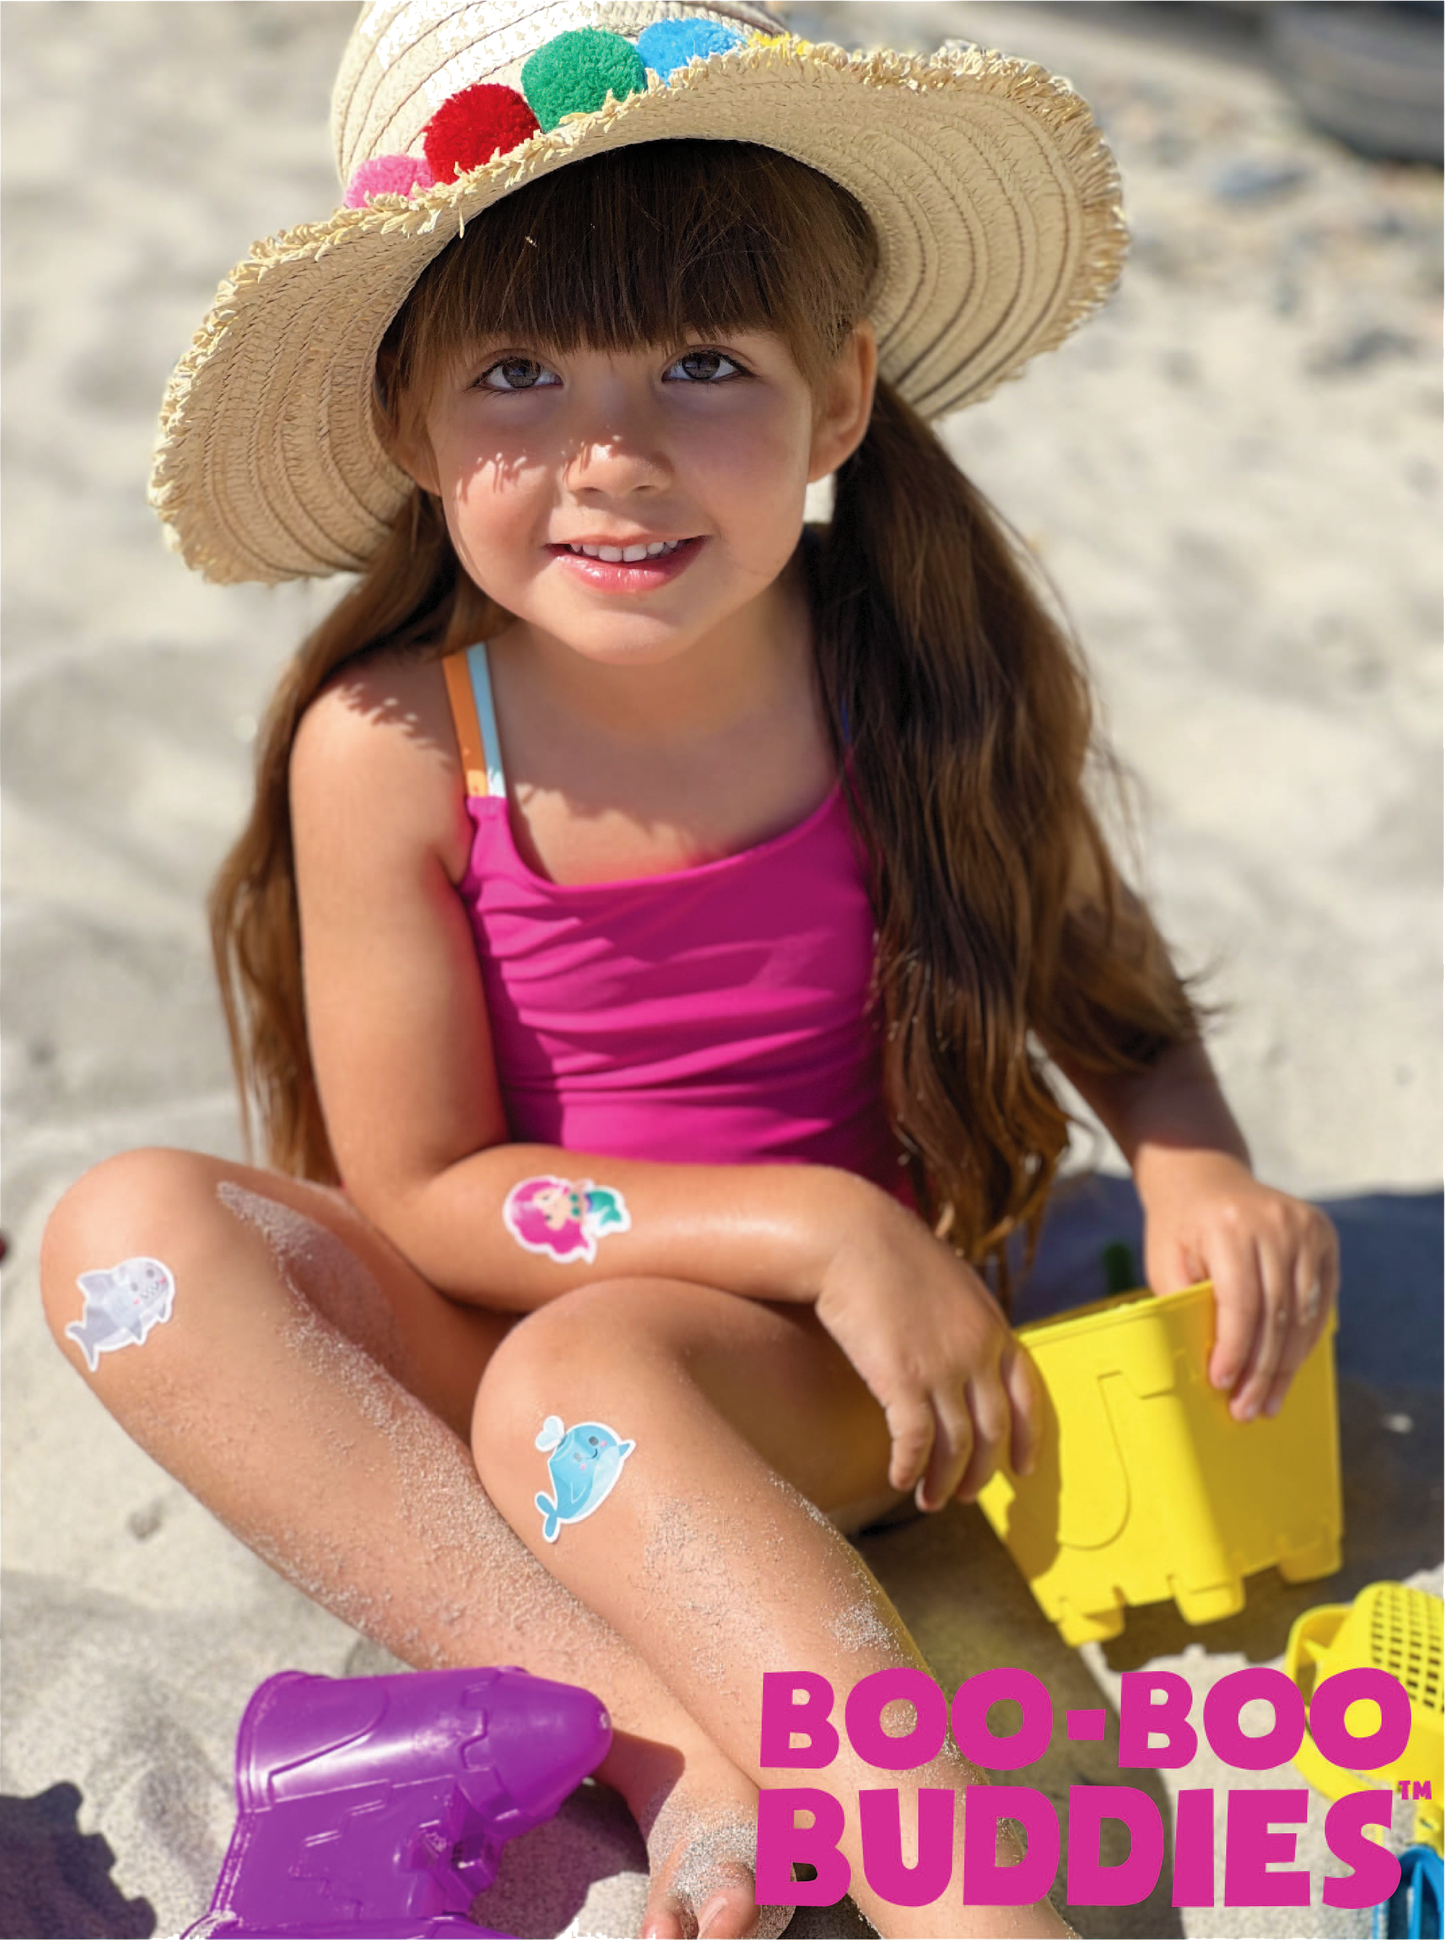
column 407, row 58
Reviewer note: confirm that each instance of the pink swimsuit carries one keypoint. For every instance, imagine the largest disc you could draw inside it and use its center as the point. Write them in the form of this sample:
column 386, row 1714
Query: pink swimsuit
column 717, row 1015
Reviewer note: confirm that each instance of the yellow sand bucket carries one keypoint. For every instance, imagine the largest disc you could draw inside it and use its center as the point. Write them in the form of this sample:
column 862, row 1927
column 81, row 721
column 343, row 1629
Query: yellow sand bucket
column 1388, row 1627
column 1146, row 1488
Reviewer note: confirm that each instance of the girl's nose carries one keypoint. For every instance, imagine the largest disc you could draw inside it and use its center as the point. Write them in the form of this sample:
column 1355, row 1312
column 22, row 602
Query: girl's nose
column 619, row 447
column 619, row 459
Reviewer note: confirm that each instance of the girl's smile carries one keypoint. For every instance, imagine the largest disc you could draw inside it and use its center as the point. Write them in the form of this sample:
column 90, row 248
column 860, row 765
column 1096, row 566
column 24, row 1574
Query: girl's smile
column 628, row 565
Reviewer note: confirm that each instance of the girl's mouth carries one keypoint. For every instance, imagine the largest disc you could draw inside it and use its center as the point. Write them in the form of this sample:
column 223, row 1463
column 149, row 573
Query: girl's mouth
column 628, row 569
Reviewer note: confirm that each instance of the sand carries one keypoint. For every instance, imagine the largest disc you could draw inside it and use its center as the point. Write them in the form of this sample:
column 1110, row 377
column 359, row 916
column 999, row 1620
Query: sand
column 1233, row 476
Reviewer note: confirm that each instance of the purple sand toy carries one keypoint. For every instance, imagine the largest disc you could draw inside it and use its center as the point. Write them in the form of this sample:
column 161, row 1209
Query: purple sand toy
column 378, row 1806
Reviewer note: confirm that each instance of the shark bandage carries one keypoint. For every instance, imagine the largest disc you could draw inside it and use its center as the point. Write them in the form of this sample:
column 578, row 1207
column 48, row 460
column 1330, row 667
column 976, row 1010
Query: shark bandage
column 122, row 1304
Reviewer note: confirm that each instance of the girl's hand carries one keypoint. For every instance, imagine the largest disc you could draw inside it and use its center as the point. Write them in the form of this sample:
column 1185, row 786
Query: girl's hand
column 1274, row 1262
column 957, row 1389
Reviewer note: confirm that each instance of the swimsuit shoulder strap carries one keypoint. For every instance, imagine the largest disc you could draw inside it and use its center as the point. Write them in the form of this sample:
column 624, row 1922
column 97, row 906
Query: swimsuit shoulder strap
column 469, row 693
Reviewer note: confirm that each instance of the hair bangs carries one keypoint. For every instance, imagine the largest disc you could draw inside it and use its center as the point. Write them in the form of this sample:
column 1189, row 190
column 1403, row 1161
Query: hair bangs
column 650, row 244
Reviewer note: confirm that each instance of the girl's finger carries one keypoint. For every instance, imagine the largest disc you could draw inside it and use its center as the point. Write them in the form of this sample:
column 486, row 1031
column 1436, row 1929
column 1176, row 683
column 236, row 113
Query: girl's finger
column 1316, row 1282
column 1026, row 1406
column 991, row 1413
column 1325, row 1253
column 953, row 1448
column 1238, row 1298
column 910, row 1427
column 1272, row 1331
column 1169, row 1267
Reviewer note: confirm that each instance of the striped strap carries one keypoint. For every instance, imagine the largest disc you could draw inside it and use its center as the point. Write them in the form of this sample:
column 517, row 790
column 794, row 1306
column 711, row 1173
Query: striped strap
column 481, row 673
column 465, row 721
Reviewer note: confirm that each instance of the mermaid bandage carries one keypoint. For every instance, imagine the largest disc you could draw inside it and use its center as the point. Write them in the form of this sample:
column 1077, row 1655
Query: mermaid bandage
column 584, row 1465
column 122, row 1304
column 563, row 1218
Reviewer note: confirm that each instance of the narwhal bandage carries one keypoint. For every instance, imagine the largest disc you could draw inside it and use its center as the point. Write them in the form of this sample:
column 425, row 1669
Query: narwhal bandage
column 584, row 1464
column 122, row 1304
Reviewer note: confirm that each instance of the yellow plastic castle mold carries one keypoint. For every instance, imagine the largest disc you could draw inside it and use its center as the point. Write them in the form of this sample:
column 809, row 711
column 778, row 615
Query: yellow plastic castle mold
column 1146, row 1488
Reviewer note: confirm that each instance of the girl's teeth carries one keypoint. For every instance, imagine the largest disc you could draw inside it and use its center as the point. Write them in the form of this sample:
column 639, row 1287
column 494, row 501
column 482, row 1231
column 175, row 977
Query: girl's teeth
column 630, row 555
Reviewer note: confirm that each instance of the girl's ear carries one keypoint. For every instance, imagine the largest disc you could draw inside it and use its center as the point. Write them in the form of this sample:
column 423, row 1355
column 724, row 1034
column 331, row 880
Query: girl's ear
column 412, row 451
column 845, row 404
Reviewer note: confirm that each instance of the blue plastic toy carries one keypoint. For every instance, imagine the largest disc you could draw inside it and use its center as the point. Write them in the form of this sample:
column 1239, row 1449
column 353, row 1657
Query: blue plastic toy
column 1413, row 1910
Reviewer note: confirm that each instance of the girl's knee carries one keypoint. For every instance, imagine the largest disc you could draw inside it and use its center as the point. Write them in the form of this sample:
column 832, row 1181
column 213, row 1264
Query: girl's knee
column 578, row 1358
column 117, row 1213
column 533, row 1359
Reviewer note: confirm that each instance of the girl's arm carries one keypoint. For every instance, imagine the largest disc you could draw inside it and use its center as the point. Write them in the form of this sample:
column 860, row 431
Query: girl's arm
column 1274, row 1260
column 403, row 1056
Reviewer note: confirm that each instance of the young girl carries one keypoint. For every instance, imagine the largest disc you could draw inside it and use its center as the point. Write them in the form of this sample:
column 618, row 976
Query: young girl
column 653, row 920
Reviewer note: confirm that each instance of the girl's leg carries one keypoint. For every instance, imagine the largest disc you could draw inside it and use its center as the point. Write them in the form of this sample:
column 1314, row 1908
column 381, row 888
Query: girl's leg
column 314, row 1392
column 710, row 1552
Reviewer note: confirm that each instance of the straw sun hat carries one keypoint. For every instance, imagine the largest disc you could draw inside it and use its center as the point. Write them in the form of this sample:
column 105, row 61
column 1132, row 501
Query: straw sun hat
column 994, row 199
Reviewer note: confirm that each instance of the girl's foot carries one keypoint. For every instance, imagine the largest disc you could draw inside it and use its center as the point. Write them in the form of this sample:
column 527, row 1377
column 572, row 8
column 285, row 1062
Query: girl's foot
column 699, row 1816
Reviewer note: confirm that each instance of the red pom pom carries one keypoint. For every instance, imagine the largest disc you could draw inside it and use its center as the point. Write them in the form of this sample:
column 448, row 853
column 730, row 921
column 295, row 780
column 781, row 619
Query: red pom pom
column 475, row 125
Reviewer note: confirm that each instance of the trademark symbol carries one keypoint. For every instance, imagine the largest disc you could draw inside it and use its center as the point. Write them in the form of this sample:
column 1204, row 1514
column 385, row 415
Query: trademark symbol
column 1414, row 1788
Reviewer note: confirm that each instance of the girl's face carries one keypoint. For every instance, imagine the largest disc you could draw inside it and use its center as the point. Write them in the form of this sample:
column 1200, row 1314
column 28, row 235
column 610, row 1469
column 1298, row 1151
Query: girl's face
column 632, row 503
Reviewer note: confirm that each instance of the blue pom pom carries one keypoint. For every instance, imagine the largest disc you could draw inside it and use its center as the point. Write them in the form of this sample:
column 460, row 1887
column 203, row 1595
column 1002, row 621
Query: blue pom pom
column 668, row 45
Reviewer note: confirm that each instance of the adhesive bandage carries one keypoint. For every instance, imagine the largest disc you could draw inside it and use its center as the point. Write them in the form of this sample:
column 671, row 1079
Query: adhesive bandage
column 122, row 1304
column 563, row 1218
column 584, row 1465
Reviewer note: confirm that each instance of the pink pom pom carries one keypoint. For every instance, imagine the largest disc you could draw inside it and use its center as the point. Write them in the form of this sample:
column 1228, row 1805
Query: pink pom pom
column 480, row 122
column 387, row 175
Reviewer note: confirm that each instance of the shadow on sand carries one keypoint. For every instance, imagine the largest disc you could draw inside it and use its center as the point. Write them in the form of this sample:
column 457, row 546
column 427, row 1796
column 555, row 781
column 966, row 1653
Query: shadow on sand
column 55, row 1881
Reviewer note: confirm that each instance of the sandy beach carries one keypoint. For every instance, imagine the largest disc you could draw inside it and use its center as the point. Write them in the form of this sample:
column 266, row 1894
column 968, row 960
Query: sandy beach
column 1233, row 479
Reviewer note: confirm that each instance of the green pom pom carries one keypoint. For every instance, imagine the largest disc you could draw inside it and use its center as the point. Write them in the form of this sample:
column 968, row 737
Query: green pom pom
column 576, row 72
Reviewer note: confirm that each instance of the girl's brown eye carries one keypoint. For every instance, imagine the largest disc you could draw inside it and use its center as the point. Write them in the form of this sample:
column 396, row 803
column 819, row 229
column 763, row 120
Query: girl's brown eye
column 705, row 367
column 517, row 374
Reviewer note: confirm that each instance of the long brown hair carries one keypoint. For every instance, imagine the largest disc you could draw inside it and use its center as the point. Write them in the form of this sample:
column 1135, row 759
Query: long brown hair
column 959, row 711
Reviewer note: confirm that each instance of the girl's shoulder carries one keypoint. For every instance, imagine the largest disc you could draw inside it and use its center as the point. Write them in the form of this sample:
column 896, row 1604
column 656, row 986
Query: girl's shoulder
column 386, row 686
column 376, row 751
